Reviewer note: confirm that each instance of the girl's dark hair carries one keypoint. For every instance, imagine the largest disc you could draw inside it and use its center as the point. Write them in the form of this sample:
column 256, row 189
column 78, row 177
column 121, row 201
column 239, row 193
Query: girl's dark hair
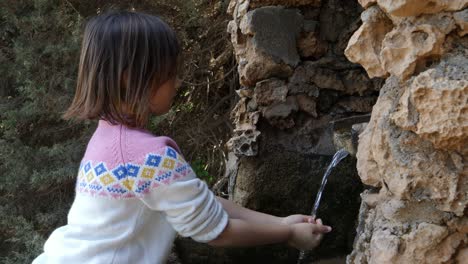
column 124, row 55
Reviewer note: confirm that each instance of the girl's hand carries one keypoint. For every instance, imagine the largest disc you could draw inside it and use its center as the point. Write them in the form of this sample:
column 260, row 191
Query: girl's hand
column 296, row 219
column 306, row 236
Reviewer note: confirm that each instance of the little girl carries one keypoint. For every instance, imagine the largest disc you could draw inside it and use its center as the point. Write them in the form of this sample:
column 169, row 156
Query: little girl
column 134, row 190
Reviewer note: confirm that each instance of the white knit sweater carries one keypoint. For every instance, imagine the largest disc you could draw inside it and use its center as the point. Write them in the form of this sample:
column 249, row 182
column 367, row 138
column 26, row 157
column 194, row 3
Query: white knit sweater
column 134, row 191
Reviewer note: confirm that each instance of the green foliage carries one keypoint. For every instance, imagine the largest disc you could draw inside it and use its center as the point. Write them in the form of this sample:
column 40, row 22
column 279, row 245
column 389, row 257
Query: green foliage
column 39, row 46
column 40, row 153
column 199, row 167
column 21, row 235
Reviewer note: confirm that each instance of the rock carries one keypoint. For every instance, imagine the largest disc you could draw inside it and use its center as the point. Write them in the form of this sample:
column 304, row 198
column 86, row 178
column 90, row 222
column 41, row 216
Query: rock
column 367, row 3
column 462, row 255
column 238, row 8
column 406, row 8
column 292, row 182
column 461, row 19
column 383, row 240
column 270, row 91
column 265, row 43
column 311, row 46
column 310, row 77
column 335, row 17
column 288, row 3
column 356, row 130
column 435, row 105
column 413, row 41
column 245, row 92
column 414, row 147
column 343, row 134
column 299, row 83
column 244, row 139
column 355, row 104
column 345, row 36
column 307, row 104
column 348, row 80
column 325, row 78
column 419, row 172
column 365, row 45
column 244, row 142
column 274, row 31
column 279, row 114
column 356, row 82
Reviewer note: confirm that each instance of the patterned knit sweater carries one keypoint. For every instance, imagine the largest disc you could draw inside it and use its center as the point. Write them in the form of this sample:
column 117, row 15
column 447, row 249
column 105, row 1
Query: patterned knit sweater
column 134, row 191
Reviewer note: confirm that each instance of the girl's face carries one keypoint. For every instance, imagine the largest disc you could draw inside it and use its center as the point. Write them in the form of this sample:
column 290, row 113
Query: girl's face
column 161, row 101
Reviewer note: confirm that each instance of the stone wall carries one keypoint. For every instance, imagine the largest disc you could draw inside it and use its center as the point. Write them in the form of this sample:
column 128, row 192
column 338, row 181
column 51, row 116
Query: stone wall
column 415, row 147
column 299, row 95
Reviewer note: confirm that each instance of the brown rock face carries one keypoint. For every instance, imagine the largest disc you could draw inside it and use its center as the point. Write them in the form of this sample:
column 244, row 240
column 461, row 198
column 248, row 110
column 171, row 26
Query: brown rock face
column 288, row 3
column 461, row 19
column 406, row 8
column 236, row 5
column 295, row 82
column 415, row 147
column 434, row 106
column 265, row 43
column 365, row 45
column 414, row 41
column 311, row 46
column 367, row 3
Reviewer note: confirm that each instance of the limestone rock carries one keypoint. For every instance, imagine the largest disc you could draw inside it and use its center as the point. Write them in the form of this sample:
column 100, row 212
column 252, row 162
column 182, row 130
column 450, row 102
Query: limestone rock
column 367, row 3
column 365, row 44
column 310, row 45
column 461, row 19
column 414, row 149
column 349, row 80
column 279, row 114
column 244, row 139
column 435, row 106
column 307, row 104
column 299, row 83
column 265, row 43
column 324, row 78
column 406, row 165
column 355, row 81
column 244, row 142
column 406, row 8
column 421, row 237
column 413, row 41
column 288, row 3
column 355, row 104
column 270, row 91
column 238, row 8
column 335, row 17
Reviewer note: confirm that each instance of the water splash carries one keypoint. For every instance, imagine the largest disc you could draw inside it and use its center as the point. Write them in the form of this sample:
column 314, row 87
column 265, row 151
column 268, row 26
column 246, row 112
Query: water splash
column 339, row 156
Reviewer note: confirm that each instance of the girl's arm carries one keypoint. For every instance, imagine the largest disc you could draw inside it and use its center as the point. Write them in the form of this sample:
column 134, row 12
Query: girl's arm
column 238, row 212
column 239, row 232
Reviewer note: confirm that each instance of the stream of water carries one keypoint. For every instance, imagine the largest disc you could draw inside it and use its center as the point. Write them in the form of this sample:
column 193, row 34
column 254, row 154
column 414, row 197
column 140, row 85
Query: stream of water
column 339, row 156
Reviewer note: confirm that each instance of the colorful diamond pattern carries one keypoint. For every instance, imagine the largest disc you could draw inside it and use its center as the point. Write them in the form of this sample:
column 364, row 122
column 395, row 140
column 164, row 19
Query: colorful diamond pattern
column 120, row 172
column 168, row 163
column 153, row 160
column 148, row 173
column 132, row 170
column 89, row 176
column 100, row 169
column 171, row 153
column 107, row 179
column 132, row 180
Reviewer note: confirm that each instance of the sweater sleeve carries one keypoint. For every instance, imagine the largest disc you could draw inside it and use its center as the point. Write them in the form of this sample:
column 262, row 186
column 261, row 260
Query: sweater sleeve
column 188, row 204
